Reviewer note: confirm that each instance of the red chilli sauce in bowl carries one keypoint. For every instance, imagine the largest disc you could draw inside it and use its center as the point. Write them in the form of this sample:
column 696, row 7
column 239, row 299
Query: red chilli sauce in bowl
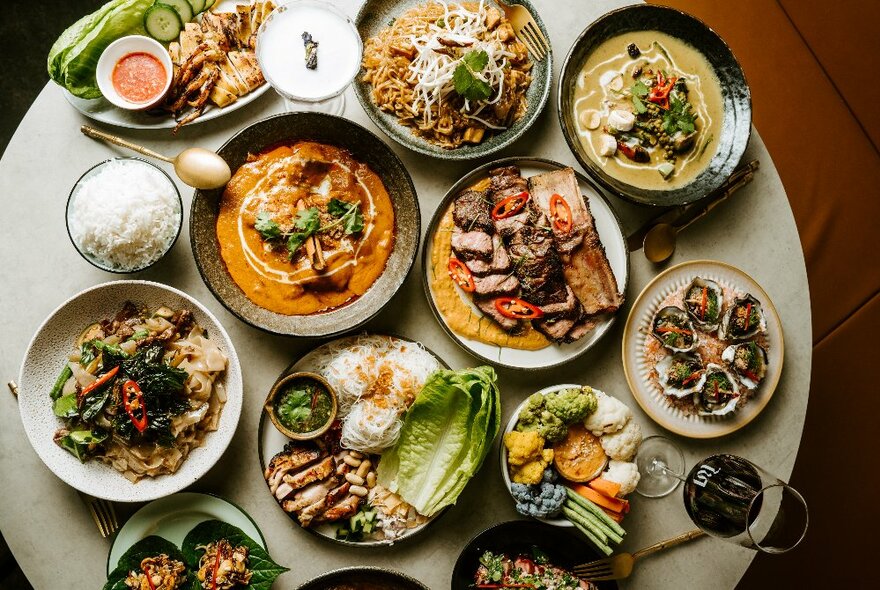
column 134, row 72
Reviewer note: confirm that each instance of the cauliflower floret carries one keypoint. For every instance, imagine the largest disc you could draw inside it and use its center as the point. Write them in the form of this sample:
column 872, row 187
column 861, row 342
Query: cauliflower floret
column 527, row 456
column 624, row 473
column 610, row 416
column 571, row 405
column 542, row 500
column 623, row 444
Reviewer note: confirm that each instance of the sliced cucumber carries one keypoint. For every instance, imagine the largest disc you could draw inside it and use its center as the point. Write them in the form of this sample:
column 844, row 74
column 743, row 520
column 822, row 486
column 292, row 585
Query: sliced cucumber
column 197, row 5
column 209, row 4
column 162, row 22
column 184, row 10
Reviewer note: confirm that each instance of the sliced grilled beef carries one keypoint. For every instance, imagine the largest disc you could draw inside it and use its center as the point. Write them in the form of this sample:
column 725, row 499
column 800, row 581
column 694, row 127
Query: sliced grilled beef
column 472, row 212
column 496, row 285
column 487, row 306
column 469, row 245
column 564, row 183
column 500, row 262
column 505, row 182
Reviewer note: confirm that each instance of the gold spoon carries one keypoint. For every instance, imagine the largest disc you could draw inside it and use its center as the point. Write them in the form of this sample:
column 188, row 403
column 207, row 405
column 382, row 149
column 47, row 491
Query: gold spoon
column 197, row 167
column 659, row 244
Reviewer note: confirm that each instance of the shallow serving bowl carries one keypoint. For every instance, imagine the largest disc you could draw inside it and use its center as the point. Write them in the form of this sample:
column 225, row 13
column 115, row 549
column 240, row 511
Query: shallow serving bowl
column 365, row 147
column 49, row 350
column 375, row 15
column 735, row 96
column 377, row 576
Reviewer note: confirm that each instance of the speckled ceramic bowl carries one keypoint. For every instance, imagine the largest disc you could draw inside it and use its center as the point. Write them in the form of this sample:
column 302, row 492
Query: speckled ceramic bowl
column 377, row 576
column 365, row 147
column 375, row 15
column 735, row 95
column 49, row 350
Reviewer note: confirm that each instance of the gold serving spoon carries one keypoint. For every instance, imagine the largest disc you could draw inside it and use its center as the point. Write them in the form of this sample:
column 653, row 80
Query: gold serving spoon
column 659, row 244
column 197, row 167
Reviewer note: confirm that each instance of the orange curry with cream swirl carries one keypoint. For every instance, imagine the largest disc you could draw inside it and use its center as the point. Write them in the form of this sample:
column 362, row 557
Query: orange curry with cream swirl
column 305, row 228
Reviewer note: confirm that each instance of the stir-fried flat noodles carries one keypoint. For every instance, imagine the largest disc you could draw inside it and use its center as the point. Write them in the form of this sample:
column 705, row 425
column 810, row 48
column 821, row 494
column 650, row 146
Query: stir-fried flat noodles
column 411, row 66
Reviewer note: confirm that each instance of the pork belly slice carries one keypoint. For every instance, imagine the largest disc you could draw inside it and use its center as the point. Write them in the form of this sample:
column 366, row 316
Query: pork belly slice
column 469, row 245
column 486, row 304
column 294, row 457
column 308, row 495
column 308, row 514
column 564, row 183
column 496, row 285
column 316, row 472
column 471, row 212
column 589, row 273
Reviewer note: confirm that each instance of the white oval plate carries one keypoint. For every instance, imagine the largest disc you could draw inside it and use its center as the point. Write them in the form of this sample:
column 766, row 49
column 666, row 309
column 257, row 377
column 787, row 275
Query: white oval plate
column 173, row 517
column 610, row 232
column 46, row 355
column 271, row 442
column 638, row 370
column 100, row 109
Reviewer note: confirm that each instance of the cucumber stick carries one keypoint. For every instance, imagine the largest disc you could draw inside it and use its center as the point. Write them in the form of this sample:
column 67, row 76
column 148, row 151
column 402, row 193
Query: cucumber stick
column 162, row 22
column 183, row 8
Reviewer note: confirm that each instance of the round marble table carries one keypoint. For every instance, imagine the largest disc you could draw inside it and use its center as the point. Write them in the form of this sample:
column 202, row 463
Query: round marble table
column 49, row 529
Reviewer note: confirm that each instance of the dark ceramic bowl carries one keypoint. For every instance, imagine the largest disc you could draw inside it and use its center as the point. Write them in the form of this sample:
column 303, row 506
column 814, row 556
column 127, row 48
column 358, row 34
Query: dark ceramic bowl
column 563, row 547
column 735, row 95
column 379, row 577
column 375, row 15
column 365, row 147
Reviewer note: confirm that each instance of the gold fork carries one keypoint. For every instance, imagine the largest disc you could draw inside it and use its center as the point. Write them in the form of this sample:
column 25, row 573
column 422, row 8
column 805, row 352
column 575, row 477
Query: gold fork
column 103, row 513
column 526, row 29
column 621, row 566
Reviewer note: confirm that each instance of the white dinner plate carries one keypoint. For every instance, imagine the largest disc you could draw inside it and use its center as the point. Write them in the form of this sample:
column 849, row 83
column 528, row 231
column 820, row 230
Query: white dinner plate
column 610, row 232
column 638, row 370
column 271, row 442
column 100, row 109
column 173, row 517
column 50, row 348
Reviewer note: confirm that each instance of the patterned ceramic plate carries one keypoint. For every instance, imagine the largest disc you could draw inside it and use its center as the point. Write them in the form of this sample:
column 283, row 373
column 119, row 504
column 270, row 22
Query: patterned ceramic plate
column 49, row 350
column 639, row 367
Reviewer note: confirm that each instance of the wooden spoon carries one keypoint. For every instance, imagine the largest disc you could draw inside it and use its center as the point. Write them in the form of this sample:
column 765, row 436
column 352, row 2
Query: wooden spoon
column 197, row 167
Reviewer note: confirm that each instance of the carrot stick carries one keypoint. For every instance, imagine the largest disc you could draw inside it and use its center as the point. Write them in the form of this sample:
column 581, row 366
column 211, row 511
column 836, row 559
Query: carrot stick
column 615, row 504
column 604, row 486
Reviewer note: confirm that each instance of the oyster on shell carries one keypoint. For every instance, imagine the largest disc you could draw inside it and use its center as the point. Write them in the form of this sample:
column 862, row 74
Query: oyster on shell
column 748, row 360
column 674, row 329
column 681, row 374
column 743, row 319
column 703, row 301
column 719, row 393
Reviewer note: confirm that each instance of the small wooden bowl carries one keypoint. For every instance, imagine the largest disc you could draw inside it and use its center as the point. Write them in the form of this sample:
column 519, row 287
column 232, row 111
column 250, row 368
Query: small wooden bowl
column 280, row 386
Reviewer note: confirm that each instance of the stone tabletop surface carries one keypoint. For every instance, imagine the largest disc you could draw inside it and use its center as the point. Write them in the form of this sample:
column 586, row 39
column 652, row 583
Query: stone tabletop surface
column 49, row 529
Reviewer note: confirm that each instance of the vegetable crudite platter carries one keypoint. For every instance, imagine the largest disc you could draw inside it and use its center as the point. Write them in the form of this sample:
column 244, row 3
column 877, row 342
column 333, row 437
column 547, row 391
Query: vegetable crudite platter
column 703, row 349
column 449, row 79
column 654, row 105
column 190, row 540
column 205, row 49
column 387, row 466
column 525, row 264
column 567, row 458
column 524, row 554
column 130, row 391
column 318, row 250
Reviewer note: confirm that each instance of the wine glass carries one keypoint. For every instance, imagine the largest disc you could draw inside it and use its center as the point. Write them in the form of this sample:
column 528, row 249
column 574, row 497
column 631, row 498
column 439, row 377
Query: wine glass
column 309, row 52
column 727, row 496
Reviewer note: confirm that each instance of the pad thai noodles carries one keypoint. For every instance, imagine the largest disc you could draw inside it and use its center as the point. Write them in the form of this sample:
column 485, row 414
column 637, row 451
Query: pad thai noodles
column 140, row 392
column 455, row 73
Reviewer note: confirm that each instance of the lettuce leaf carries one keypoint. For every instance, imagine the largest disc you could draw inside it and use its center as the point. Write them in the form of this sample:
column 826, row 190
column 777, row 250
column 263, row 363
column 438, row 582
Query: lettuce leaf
column 264, row 569
column 131, row 560
column 73, row 57
column 446, row 435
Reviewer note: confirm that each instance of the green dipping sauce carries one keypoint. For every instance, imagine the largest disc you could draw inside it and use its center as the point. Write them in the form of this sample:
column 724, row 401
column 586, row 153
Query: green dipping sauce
column 303, row 406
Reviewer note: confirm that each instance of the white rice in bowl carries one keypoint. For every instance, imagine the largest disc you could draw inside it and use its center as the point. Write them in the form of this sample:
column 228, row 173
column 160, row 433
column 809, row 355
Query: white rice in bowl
column 124, row 215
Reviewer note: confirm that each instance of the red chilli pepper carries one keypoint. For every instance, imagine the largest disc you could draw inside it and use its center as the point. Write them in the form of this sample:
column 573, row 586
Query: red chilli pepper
column 132, row 406
column 560, row 213
column 98, row 383
column 751, row 375
column 748, row 316
column 517, row 309
column 510, row 206
column 149, row 580
column 660, row 91
column 461, row 275
column 693, row 377
column 703, row 304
